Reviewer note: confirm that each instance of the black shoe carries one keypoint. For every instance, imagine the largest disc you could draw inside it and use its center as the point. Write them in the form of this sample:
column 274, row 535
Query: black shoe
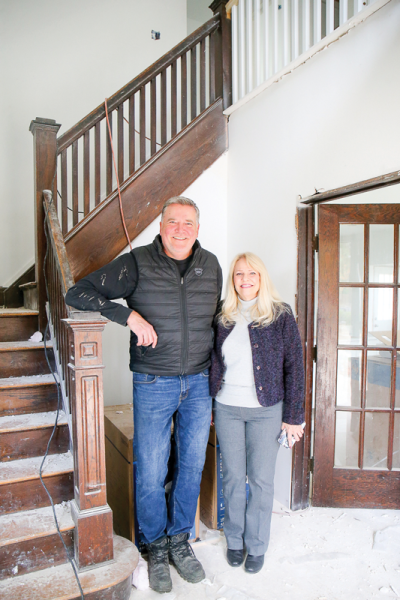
column 159, row 575
column 234, row 557
column 253, row 563
column 182, row 557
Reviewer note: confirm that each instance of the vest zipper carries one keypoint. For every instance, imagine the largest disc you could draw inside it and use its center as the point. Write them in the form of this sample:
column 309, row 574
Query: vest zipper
column 184, row 355
column 185, row 328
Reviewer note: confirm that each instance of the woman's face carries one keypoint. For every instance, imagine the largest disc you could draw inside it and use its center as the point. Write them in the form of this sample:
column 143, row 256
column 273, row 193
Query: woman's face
column 246, row 280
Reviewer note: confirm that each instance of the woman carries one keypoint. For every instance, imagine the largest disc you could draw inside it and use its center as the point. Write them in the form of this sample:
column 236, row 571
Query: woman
column 257, row 381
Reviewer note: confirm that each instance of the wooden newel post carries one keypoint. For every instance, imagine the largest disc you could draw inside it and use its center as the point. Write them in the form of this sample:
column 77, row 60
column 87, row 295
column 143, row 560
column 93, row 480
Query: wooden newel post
column 91, row 514
column 44, row 133
column 223, row 53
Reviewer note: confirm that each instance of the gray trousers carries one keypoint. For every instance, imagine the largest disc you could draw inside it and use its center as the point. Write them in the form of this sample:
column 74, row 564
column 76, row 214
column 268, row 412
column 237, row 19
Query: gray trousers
column 248, row 442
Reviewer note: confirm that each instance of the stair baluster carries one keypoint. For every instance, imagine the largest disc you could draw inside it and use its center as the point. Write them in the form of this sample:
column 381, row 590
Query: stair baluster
column 77, row 345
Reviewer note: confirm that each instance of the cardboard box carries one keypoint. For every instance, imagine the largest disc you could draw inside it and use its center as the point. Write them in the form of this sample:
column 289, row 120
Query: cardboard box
column 118, row 425
column 120, row 463
column 212, row 507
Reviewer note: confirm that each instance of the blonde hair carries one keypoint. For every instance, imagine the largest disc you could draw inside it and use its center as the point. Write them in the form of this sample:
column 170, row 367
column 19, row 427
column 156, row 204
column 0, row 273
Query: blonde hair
column 268, row 306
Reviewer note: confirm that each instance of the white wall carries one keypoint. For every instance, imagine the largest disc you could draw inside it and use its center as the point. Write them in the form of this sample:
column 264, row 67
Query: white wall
column 197, row 14
column 209, row 192
column 59, row 60
column 333, row 121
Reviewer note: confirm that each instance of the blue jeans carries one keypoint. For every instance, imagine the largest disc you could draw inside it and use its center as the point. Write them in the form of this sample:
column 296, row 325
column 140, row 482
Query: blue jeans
column 155, row 400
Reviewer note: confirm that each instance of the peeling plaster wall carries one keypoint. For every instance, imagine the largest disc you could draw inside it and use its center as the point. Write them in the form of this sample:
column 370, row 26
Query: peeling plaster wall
column 59, row 60
column 333, row 121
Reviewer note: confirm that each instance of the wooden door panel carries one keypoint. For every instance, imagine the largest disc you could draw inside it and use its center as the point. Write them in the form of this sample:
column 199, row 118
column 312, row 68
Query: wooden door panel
column 367, row 481
column 372, row 490
column 327, row 326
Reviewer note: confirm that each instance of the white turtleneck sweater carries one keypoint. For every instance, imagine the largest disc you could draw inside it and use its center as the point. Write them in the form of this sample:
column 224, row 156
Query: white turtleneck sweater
column 238, row 387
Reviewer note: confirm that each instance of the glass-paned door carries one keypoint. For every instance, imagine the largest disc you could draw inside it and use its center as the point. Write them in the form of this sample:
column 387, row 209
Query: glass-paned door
column 357, row 408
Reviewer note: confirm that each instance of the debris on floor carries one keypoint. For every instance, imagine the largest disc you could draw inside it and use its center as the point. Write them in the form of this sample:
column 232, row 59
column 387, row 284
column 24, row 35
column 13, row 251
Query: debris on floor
column 316, row 554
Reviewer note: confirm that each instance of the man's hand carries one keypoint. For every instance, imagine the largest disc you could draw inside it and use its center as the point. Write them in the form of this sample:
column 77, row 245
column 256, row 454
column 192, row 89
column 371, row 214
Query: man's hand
column 145, row 333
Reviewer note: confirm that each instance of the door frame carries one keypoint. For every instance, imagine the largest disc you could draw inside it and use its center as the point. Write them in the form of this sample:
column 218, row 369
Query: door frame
column 302, row 461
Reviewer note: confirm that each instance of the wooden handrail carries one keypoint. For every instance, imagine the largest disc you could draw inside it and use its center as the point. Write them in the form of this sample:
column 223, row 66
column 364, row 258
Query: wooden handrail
column 56, row 239
column 77, row 345
column 65, row 140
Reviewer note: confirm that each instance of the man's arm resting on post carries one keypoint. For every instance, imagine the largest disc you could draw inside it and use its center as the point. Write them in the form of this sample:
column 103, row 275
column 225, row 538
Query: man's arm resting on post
column 96, row 291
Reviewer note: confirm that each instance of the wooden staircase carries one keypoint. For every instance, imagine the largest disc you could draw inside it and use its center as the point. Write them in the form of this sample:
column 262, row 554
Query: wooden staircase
column 78, row 229
column 28, row 403
column 32, row 556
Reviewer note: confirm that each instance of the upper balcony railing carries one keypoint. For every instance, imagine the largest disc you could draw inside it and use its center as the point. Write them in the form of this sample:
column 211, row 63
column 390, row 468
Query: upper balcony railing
column 144, row 115
column 267, row 35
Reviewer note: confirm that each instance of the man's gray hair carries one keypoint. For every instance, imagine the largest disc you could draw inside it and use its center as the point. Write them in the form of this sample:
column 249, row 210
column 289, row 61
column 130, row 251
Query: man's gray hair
column 184, row 202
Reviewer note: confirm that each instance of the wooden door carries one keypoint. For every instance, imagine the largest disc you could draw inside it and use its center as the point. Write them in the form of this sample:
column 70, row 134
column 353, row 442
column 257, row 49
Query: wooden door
column 357, row 401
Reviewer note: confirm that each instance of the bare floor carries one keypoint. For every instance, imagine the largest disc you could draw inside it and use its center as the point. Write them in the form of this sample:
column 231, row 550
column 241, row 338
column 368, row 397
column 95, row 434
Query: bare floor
column 316, row 554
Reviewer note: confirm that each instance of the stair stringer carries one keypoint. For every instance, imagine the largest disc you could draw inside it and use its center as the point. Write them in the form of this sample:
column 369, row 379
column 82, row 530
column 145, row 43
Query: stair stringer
column 99, row 238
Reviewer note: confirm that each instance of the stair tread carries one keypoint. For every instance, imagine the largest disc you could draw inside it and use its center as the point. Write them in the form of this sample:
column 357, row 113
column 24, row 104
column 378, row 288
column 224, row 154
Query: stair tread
column 28, row 468
column 28, row 524
column 27, row 286
column 56, row 583
column 26, row 381
column 31, row 421
column 17, row 312
column 24, row 345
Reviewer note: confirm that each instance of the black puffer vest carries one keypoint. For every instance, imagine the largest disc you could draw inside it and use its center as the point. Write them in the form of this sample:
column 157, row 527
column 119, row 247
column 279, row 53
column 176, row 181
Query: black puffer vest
column 181, row 310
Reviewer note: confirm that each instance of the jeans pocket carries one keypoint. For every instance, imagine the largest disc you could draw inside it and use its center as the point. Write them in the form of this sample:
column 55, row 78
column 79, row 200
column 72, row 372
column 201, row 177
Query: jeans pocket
column 206, row 373
column 143, row 378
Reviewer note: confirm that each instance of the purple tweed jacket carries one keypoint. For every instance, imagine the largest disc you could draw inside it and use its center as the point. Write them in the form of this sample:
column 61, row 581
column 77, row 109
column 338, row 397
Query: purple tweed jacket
column 277, row 365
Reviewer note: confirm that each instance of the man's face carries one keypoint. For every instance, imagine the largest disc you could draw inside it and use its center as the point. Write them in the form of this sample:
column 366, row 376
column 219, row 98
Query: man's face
column 179, row 230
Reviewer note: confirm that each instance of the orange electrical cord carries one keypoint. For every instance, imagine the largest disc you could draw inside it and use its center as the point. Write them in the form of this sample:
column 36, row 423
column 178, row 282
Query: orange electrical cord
column 116, row 176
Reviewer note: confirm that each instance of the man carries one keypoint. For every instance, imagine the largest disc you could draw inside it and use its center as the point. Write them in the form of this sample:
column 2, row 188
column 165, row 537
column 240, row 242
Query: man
column 172, row 288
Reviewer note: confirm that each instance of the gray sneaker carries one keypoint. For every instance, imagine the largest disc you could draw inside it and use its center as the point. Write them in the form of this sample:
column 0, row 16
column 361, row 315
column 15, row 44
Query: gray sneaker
column 159, row 575
column 182, row 557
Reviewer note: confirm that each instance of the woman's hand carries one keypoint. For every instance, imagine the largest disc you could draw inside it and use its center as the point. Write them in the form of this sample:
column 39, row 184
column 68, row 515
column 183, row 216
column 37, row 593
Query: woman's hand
column 293, row 430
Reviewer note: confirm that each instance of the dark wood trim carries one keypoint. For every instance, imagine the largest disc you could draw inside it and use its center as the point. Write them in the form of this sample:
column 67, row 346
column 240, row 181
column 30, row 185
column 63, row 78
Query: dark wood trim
column 168, row 173
column 337, row 486
column 350, row 491
column 305, row 320
column 57, row 242
column 225, row 48
column 12, row 296
column 327, row 325
column 90, row 512
column 44, row 133
column 354, row 188
column 133, row 86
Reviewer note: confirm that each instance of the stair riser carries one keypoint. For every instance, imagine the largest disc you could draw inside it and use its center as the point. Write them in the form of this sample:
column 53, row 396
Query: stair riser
column 121, row 591
column 31, row 443
column 16, row 363
column 26, row 495
column 34, row 554
column 27, row 400
column 17, row 328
